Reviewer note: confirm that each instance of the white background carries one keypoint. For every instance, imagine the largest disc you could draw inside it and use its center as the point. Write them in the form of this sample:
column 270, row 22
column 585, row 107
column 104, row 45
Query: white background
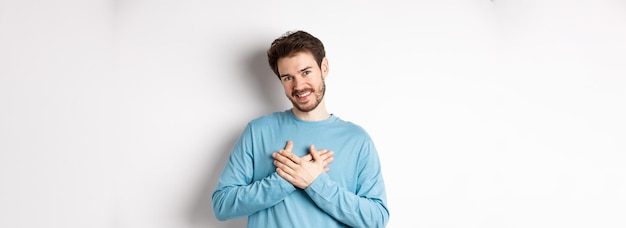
column 505, row 113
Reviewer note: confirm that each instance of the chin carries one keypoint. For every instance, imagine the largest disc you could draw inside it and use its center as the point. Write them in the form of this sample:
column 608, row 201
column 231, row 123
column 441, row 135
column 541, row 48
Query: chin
column 306, row 108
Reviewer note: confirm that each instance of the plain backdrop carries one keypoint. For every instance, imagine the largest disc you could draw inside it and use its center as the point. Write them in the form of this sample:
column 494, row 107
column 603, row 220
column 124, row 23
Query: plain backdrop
column 503, row 113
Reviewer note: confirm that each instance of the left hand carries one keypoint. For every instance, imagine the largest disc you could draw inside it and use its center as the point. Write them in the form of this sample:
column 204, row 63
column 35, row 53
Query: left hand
column 301, row 172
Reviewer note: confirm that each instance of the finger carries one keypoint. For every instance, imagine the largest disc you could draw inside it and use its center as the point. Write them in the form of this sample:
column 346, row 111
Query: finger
column 323, row 154
column 329, row 155
column 282, row 166
column 285, row 175
column 284, row 163
column 280, row 157
column 289, row 145
column 291, row 156
column 314, row 154
column 327, row 161
column 322, row 157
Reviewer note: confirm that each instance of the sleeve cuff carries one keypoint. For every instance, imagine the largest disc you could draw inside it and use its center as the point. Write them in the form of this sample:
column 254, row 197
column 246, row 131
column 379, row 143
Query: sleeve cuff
column 318, row 184
column 284, row 184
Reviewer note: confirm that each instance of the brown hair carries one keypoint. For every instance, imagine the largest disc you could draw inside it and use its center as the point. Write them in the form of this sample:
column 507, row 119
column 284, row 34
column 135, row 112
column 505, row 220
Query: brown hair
column 291, row 43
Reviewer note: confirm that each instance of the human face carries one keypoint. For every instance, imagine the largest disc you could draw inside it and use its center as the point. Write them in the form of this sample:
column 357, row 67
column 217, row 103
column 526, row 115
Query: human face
column 303, row 80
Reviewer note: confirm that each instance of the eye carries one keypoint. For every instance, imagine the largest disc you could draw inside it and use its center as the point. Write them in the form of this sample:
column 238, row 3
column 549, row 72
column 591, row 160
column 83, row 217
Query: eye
column 286, row 78
column 306, row 72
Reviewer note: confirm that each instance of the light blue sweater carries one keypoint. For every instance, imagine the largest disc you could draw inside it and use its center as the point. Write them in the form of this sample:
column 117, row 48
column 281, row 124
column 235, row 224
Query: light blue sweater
column 350, row 194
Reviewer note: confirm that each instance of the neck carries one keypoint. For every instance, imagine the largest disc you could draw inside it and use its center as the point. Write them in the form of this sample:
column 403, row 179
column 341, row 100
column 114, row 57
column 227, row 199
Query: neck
column 316, row 114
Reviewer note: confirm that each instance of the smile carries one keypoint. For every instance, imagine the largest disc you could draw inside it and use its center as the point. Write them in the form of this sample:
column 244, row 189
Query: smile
column 303, row 94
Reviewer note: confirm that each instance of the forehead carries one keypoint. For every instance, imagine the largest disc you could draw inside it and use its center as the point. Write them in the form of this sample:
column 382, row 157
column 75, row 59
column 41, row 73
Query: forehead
column 296, row 62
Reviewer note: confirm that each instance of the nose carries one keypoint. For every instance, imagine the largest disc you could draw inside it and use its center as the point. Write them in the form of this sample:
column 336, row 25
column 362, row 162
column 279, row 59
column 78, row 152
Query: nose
column 298, row 83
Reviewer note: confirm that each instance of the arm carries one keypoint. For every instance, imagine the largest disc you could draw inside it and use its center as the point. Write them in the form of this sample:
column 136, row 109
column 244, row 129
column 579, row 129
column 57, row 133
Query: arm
column 236, row 194
column 364, row 208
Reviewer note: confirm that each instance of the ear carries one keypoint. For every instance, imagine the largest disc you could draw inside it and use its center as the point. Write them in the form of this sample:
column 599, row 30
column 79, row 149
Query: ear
column 324, row 67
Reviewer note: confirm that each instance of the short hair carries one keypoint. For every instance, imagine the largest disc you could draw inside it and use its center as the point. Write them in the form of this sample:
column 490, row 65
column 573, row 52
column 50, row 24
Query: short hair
column 294, row 42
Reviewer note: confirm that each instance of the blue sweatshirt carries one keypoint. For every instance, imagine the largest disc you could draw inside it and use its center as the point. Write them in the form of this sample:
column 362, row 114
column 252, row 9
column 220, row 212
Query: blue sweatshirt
column 350, row 194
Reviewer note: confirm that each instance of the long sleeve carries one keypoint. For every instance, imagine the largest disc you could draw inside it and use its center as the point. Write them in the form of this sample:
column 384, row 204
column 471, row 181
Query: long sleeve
column 366, row 207
column 236, row 194
column 351, row 194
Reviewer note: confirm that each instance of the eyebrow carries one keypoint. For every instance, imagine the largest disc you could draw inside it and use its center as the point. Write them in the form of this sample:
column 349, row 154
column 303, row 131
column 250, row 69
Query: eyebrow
column 300, row 71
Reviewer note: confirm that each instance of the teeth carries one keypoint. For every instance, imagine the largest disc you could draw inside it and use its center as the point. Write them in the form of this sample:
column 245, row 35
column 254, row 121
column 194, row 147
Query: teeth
column 304, row 94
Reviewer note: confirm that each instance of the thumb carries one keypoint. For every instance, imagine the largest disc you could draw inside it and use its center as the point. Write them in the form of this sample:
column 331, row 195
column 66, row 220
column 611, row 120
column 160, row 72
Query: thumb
column 289, row 145
column 314, row 153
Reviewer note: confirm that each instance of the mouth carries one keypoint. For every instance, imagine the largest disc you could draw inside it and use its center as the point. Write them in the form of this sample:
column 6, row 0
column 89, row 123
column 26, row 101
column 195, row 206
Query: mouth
column 302, row 96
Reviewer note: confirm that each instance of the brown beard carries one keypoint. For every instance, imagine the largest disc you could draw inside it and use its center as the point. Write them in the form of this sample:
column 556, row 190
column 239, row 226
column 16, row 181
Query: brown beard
column 319, row 94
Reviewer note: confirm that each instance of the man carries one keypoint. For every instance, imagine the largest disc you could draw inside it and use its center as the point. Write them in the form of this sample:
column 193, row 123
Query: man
column 299, row 185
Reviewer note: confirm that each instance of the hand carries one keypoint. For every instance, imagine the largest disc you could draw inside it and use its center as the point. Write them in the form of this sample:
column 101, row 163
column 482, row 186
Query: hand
column 301, row 171
column 326, row 155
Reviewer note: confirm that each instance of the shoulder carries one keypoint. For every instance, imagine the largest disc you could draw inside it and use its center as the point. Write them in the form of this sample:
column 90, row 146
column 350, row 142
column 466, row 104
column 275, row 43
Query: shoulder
column 269, row 119
column 351, row 127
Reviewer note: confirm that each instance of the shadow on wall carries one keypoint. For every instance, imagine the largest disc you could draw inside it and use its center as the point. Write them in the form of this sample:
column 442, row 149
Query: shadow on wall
column 264, row 82
column 202, row 214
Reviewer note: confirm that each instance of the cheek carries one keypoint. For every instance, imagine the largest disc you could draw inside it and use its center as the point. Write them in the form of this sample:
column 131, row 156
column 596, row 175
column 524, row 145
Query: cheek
column 286, row 87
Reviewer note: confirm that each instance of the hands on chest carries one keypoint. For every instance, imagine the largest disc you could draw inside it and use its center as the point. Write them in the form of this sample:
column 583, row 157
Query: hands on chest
column 301, row 171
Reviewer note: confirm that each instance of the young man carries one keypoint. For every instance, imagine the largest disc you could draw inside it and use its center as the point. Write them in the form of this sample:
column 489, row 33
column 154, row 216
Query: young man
column 299, row 185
